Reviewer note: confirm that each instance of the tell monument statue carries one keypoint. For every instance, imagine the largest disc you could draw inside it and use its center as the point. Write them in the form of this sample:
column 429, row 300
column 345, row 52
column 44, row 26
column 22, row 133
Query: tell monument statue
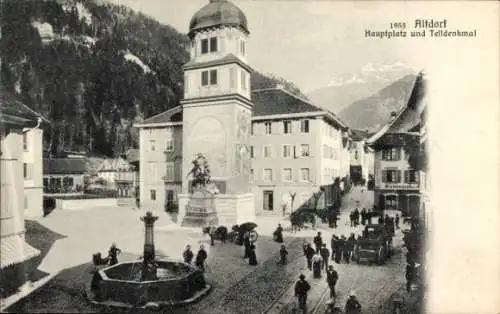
column 200, row 209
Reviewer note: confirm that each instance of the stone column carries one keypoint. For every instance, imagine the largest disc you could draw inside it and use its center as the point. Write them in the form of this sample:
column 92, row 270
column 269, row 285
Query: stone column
column 149, row 246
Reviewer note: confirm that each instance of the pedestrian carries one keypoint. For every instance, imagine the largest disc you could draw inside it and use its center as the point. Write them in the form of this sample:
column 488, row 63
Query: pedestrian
column 351, row 218
column 352, row 306
column 343, row 246
column 278, row 234
column 363, row 216
column 252, row 259
column 302, row 287
column 247, row 244
column 318, row 242
column 211, row 232
column 335, row 218
column 113, row 254
column 325, row 255
column 317, row 260
column 333, row 245
column 201, row 257
column 350, row 244
column 356, row 217
column 397, row 221
column 338, row 250
column 410, row 275
column 331, row 278
column 309, row 253
column 283, row 255
column 188, row 255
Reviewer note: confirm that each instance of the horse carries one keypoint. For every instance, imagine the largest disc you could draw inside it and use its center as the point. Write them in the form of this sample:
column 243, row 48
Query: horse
column 220, row 234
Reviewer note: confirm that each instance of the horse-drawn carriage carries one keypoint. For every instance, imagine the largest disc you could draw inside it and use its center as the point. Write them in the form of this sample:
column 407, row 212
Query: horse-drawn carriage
column 375, row 245
column 236, row 235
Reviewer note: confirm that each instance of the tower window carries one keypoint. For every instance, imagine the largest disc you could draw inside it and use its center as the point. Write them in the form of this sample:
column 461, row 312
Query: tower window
column 209, row 77
column 204, row 46
column 243, row 80
column 213, row 77
column 213, row 44
column 242, row 48
column 209, row 45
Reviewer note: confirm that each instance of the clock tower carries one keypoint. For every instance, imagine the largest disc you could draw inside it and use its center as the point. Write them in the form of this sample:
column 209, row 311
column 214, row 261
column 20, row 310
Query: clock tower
column 217, row 108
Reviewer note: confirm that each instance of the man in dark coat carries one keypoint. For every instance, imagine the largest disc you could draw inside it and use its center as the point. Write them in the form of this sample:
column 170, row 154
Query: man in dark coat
column 278, row 234
column 201, row 257
column 397, row 221
column 350, row 244
column 302, row 287
column 343, row 246
column 356, row 217
column 113, row 254
column 325, row 255
column 318, row 242
column 252, row 258
column 309, row 253
column 363, row 216
column 338, row 250
column 351, row 218
column 247, row 244
column 352, row 306
column 283, row 255
column 188, row 255
column 410, row 275
column 331, row 278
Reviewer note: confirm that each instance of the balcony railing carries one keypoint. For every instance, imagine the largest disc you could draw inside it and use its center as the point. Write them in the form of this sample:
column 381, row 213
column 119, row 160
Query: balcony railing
column 403, row 186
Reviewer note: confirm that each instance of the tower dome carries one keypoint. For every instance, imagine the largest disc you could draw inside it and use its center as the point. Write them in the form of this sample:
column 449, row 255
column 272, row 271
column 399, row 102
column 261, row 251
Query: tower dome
column 218, row 13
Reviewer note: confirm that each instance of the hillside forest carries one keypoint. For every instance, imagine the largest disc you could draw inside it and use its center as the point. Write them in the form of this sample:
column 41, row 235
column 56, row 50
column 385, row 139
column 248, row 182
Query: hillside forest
column 93, row 69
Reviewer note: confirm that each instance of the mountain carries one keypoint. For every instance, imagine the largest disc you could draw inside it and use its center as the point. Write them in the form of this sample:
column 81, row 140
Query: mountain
column 93, row 69
column 350, row 87
column 372, row 112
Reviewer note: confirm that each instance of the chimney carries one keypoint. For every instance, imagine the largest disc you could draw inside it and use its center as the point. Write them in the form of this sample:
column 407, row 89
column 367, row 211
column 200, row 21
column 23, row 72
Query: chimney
column 393, row 114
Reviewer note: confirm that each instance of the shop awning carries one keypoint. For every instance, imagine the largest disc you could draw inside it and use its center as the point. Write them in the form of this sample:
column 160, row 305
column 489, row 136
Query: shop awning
column 14, row 250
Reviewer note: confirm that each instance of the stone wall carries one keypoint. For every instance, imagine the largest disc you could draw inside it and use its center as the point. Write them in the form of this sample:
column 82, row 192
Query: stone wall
column 85, row 204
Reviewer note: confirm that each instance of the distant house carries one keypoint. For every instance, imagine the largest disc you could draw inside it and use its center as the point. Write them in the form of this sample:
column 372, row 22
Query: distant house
column 361, row 157
column 397, row 182
column 119, row 176
column 64, row 175
column 16, row 121
column 132, row 156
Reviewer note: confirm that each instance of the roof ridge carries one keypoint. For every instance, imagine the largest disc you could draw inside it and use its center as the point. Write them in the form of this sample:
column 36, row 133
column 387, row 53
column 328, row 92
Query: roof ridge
column 163, row 112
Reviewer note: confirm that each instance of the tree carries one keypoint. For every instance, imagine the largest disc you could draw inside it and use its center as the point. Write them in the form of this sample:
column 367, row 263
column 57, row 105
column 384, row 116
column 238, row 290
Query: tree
column 200, row 171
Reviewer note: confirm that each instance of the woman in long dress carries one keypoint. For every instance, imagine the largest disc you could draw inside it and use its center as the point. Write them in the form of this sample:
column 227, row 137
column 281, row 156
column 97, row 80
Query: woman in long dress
column 317, row 260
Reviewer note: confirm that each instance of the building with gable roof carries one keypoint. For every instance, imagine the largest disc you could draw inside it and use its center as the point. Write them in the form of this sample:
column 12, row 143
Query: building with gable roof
column 262, row 146
column 119, row 175
column 397, row 178
column 18, row 122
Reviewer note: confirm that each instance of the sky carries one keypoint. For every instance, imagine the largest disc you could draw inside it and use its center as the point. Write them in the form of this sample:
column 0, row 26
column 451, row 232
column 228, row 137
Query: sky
column 307, row 42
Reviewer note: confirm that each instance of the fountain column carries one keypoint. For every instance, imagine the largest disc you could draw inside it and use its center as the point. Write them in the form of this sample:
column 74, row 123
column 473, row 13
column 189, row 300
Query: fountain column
column 149, row 246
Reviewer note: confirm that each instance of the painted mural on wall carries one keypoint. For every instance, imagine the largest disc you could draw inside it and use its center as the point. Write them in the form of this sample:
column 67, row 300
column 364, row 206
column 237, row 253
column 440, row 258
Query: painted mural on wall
column 242, row 151
column 208, row 137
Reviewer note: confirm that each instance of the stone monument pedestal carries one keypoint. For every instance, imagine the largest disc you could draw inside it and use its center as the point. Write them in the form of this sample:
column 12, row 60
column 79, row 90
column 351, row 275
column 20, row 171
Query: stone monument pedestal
column 199, row 210
column 229, row 210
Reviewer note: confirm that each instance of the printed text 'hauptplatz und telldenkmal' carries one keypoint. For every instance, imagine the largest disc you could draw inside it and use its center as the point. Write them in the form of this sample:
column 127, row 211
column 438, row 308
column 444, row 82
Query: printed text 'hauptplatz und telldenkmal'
column 420, row 28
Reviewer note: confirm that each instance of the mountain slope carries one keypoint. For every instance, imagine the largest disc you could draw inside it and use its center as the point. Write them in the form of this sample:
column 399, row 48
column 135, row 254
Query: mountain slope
column 93, row 68
column 374, row 111
column 350, row 87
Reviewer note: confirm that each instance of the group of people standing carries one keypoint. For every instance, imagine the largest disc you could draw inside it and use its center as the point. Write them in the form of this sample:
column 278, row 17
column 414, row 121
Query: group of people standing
column 201, row 256
column 317, row 260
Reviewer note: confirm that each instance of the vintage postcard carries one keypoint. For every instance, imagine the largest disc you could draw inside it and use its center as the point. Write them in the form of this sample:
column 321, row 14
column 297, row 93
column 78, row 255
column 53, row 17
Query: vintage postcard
column 246, row 156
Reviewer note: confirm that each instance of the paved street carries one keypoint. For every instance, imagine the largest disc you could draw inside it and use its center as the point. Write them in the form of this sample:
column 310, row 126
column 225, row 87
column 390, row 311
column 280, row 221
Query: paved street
column 237, row 286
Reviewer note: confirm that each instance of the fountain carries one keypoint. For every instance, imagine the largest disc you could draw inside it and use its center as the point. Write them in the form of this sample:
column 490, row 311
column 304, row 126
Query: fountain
column 149, row 282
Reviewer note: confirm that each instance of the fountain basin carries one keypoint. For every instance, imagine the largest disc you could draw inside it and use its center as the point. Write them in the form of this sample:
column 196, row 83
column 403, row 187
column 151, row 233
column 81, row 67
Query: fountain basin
column 123, row 285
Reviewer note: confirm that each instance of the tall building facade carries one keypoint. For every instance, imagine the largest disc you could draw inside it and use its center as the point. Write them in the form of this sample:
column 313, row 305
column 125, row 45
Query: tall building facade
column 397, row 180
column 16, row 120
column 262, row 146
column 33, row 172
